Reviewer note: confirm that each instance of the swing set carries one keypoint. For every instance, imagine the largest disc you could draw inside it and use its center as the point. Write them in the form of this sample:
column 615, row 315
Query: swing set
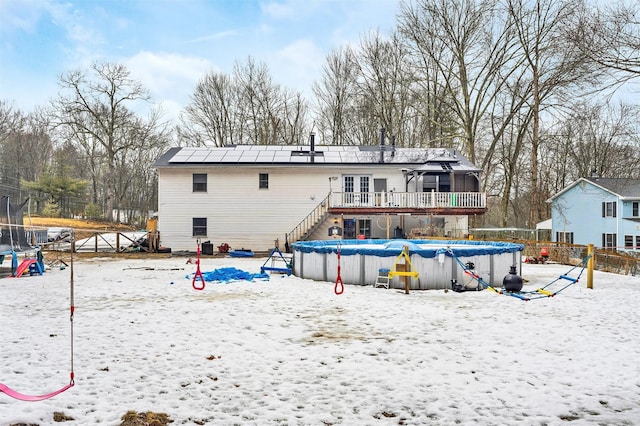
column 277, row 256
column 33, row 398
column 549, row 290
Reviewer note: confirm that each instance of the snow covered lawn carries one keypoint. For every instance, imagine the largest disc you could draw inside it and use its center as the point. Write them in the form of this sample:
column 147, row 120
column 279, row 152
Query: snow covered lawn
column 290, row 351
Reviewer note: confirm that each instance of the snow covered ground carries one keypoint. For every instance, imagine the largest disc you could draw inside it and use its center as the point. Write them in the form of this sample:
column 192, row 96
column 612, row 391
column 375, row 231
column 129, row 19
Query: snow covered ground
column 290, row 351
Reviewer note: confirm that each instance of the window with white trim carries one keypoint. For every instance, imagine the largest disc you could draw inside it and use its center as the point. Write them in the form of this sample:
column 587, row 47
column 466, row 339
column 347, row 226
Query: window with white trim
column 564, row 237
column 609, row 241
column 609, row 209
column 628, row 241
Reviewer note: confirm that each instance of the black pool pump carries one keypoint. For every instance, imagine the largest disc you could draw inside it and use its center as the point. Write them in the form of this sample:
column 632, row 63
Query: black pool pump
column 512, row 282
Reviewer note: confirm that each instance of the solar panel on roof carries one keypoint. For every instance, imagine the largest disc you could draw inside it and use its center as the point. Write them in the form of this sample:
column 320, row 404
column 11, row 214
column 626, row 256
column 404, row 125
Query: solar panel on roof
column 266, row 157
column 248, row 157
column 421, row 158
column 179, row 158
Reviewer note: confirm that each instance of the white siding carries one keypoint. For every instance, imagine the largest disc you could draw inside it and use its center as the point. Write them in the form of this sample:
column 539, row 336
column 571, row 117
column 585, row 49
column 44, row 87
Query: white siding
column 238, row 212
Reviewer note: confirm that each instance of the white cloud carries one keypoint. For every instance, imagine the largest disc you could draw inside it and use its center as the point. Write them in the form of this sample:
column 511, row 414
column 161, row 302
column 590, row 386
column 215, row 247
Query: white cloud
column 215, row 36
column 279, row 10
column 20, row 14
column 171, row 78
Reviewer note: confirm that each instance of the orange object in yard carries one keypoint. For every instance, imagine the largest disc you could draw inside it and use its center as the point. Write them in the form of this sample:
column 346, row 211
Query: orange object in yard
column 544, row 252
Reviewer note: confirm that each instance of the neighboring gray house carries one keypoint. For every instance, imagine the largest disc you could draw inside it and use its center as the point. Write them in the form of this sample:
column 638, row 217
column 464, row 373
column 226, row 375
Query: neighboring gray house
column 249, row 196
column 600, row 211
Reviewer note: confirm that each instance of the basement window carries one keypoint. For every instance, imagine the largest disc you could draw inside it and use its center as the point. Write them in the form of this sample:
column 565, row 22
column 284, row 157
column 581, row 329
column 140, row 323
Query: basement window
column 199, row 227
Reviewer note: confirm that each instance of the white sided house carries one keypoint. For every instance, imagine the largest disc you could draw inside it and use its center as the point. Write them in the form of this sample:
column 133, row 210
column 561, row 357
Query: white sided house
column 256, row 197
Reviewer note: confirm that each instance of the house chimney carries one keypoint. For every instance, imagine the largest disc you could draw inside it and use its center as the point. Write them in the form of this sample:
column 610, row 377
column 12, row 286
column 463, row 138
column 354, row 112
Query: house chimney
column 313, row 147
column 382, row 145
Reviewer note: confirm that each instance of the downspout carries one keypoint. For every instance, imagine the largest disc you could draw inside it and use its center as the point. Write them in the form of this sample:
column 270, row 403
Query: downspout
column 618, row 214
column 382, row 145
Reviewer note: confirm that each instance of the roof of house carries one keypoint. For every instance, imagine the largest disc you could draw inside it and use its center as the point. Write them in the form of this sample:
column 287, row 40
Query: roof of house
column 414, row 158
column 622, row 187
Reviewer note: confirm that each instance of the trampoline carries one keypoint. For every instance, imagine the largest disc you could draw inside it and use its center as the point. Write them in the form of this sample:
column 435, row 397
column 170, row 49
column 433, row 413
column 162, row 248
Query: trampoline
column 361, row 261
column 13, row 237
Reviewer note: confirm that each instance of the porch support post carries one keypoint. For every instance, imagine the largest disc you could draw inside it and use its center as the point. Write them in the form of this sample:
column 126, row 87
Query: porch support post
column 388, row 225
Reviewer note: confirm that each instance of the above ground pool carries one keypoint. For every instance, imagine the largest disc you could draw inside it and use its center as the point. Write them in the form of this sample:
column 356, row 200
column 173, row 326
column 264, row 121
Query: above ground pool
column 435, row 261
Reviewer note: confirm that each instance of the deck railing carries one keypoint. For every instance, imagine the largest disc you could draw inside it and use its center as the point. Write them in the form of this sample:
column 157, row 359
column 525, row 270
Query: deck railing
column 419, row 200
column 309, row 223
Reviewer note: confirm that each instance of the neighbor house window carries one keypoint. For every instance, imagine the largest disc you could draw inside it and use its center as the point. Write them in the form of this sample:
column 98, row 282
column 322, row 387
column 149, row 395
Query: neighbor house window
column 199, row 182
column 635, row 207
column 199, row 227
column 609, row 209
column 564, row 237
column 263, row 181
column 609, row 240
column 628, row 241
column 637, row 242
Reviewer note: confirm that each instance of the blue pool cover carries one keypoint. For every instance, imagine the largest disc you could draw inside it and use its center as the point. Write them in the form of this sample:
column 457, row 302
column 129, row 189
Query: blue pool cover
column 424, row 248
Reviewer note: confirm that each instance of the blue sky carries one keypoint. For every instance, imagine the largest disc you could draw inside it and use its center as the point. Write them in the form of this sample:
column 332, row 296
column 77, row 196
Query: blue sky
column 169, row 45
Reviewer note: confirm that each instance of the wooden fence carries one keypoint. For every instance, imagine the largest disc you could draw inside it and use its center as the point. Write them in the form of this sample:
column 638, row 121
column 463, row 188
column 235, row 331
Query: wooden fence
column 111, row 242
column 571, row 254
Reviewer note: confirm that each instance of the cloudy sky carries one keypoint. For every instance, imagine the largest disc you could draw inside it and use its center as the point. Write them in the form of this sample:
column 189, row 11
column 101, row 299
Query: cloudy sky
column 170, row 44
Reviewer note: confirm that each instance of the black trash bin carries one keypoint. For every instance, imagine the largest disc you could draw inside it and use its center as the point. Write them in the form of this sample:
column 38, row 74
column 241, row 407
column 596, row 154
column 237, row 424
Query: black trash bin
column 397, row 234
column 207, row 247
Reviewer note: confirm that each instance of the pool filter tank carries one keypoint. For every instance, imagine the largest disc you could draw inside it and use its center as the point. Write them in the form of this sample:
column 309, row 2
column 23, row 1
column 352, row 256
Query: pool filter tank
column 512, row 282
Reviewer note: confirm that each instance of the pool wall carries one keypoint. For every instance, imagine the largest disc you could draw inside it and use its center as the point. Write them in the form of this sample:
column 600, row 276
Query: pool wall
column 360, row 261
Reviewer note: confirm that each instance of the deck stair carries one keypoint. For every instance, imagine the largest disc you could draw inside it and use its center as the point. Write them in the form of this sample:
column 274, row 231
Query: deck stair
column 310, row 223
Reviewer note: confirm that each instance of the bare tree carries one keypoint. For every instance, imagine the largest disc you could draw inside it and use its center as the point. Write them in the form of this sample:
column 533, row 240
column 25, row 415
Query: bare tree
column 336, row 97
column 293, row 120
column 25, row 147
column 610, row 37
column 604, row 141
column 511, row 145
column 385, row 85
column 470, row 48
column 244, row 107
column 137, row 186
column 99, row 108
column 210, row 117
column 553, row 70
column 434, row 124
